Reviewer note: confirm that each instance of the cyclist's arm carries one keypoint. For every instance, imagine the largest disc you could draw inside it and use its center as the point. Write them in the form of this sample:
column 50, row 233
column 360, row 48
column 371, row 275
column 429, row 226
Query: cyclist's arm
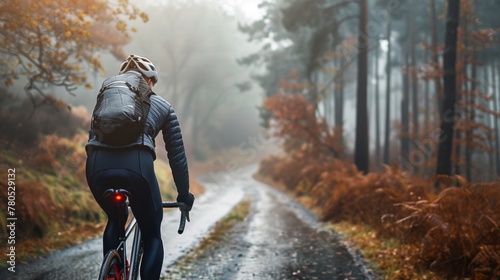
column 176, row 153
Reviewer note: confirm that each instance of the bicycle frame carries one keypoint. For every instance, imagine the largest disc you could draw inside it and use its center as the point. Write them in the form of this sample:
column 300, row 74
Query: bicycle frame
column 120, row 196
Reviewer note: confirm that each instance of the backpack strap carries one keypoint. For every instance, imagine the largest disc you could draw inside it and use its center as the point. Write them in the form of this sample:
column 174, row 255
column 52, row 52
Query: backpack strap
column 132, row 88
column 146, row 106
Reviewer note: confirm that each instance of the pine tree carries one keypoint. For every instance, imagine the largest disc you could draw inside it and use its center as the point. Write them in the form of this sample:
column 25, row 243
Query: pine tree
column 445, row 147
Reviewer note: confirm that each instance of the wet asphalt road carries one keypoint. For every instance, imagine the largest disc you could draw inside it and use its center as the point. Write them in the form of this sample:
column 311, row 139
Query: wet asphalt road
column 279, row 240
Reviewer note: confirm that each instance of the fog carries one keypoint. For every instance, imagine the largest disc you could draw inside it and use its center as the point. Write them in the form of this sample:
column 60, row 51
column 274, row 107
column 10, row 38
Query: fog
column 217, row 59
column 195, row 46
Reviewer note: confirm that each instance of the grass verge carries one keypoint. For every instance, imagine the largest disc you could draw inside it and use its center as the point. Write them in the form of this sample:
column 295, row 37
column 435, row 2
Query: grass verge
column 389, row 257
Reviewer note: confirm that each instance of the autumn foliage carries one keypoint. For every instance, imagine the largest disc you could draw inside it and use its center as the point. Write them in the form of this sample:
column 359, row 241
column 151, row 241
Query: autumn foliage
column 453, row 232
column 57, row 42
column 474, row 132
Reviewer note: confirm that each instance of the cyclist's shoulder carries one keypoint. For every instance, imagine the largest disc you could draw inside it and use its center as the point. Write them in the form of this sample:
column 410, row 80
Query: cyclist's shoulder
column 158, row 98
column 159, row 101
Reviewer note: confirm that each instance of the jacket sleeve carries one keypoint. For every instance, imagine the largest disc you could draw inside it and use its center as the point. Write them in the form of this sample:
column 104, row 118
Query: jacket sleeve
column 175, row 151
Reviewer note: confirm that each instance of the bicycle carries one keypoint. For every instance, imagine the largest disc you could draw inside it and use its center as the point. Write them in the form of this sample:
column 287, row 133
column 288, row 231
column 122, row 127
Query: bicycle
column 113, row 267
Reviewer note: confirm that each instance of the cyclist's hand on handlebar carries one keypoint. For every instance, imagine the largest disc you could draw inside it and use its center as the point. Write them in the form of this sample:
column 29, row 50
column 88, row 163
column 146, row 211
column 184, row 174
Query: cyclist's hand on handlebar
column 188, row 199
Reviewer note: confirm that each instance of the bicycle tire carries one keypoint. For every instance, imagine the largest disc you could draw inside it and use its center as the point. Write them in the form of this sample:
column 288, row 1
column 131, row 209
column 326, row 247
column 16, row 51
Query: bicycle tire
column 111, row 258
column 137, row 264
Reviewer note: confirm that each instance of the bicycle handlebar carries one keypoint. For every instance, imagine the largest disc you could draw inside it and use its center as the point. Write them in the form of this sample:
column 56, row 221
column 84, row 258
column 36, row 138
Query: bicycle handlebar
column 120, row 196
column 184, row 213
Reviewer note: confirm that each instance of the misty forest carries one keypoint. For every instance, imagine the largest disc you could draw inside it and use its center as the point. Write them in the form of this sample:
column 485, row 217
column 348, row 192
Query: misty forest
column 379, row 116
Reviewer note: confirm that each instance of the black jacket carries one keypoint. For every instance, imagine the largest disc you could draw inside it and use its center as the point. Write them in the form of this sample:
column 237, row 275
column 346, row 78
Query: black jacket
column 162, row 118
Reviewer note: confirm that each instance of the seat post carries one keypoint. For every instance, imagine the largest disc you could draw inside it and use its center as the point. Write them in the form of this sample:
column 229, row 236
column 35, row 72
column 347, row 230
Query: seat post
column 119, row 198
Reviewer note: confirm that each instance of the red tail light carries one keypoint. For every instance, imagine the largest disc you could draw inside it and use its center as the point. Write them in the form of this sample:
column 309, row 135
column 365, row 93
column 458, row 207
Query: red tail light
column 119, row 197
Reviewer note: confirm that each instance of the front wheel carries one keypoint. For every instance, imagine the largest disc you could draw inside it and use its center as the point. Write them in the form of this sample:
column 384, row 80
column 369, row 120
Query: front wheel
column 112, row 267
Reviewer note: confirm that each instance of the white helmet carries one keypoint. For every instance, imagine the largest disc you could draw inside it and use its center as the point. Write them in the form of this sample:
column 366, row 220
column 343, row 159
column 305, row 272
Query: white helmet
column 141, row 64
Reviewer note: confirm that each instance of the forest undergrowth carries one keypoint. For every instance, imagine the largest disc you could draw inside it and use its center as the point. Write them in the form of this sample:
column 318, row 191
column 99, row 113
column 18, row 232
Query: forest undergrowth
column 431, row 225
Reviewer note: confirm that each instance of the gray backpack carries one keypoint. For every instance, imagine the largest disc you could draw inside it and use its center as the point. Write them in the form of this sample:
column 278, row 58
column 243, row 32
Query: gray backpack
column 123, row 104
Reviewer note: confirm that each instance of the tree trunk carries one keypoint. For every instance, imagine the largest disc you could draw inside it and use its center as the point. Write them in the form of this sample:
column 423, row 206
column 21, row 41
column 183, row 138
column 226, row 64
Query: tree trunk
column 435, row 56
column 313, row 93
column 339, row 98
column 457, row 156
column 427, row 110
column 361, row 152
column 427, row 113
column 496, row 100
column 490, row 119
column 326, row 95
column 413, row 78
column 469, row 149
column 445, row 146
column 405, row 104
column 387, row 96
column 461, row 94
column 405, row 116
column 341, row 113
column 331, row 99
column 377, row 108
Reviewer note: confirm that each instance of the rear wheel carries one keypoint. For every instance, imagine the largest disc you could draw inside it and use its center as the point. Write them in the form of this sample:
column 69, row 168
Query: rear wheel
column 112, row 267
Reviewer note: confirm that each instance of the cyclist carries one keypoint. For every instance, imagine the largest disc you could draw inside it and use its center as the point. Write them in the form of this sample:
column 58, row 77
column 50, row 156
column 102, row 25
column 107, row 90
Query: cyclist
column 131, row 167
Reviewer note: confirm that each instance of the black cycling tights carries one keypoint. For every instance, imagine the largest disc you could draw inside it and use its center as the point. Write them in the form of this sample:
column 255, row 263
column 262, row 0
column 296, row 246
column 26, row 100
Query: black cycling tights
column 132, row 170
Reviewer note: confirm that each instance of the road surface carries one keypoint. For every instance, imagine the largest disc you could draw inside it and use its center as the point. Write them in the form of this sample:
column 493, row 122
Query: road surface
column 278, row 240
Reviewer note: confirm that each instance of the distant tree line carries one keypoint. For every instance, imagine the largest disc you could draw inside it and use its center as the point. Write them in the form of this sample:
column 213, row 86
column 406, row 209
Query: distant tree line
column 425, row 75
